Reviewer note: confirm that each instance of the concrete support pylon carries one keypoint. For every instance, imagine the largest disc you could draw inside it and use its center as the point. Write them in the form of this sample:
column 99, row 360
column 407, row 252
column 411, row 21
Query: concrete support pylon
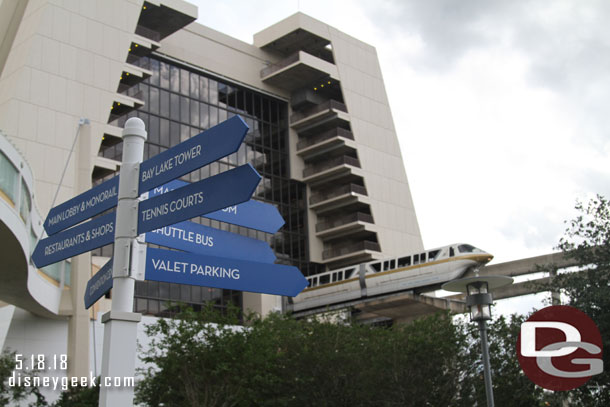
column 78, row 324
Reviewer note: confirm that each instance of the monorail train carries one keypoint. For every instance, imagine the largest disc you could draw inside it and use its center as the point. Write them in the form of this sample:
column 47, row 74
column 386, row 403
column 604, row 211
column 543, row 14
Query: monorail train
column 429, row 268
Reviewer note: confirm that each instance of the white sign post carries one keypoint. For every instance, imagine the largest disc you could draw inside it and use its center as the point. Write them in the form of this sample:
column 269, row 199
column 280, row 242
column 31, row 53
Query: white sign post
column 121, row 323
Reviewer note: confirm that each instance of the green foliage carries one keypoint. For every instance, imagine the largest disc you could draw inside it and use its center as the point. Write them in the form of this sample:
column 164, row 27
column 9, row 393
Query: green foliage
column 587, row 242
column 16, row 393
column 79, row 397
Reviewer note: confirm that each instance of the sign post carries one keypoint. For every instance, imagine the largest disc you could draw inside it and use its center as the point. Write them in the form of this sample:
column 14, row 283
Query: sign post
column 121, row 323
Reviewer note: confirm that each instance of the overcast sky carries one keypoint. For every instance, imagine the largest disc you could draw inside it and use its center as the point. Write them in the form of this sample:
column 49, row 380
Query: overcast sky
column 502, row 108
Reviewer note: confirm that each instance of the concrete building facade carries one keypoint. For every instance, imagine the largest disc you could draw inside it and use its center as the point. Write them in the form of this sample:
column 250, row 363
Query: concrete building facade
column 321, row 136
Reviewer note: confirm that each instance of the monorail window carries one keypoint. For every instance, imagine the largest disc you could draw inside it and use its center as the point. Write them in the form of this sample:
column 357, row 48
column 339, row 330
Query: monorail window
column 349, row 272
column 433, row 254
column 392, row 264
column 314, row 281
column 308, row 282
column 422, row 257
column 335, row 275
column 465, row 248
column 325, row 279
column 404, row 261
column 451, row 252
column 376, row 267
column 386, row 265
column 416, row 259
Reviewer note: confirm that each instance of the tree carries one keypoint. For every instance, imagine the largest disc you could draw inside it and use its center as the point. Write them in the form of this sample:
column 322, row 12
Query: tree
column 280, row 361
column 17, row 392
column 587, row 241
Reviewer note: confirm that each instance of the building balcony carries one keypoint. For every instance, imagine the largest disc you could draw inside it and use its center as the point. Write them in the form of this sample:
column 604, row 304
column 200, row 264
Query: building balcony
column 103, row 166
column 124, row 104
column 325, row 116
column 297, row 71
column 112, row 135
column 330, row 140
column 343, row 226
column 352, row 253
column 161, row 18
column 141, row 47
column 330, row 170
column 337, row 198
column 131, row 76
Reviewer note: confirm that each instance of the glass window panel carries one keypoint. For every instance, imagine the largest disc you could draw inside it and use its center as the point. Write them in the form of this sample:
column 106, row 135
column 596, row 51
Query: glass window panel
column 174, row 290
column 185, row 132
column 153, row 104
column 8, row 177
column 164, row 133
column 174, row 134
column 153, row 306
column 203, row 89
column 213, row 89
column 185, row 109
column 153, row 130
column 194, row 90
column 153, row 289
column 213, row 116
column 141, row 305
column 174, row 107
column 164, row 290
column 164, row 75
column 174, row 79
column 154, row 67
column 194, row 121
column 164, row 104
column 185, row 293
column 184, row 81
column 204, row 116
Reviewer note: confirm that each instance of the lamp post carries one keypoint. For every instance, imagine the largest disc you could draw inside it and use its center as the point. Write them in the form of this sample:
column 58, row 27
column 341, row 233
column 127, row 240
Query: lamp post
column 479, row 300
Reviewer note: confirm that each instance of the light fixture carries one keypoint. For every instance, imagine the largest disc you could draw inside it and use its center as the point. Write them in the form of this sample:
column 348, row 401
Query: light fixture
column 315, row 88
column 479, row 300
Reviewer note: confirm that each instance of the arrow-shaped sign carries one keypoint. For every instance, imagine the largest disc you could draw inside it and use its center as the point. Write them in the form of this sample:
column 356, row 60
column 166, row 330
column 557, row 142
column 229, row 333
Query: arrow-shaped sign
column 251, row 214
column 79, row 239
column 218, row 272
column 99, row 284
column 82, row 207
column 196, row 152
column 194, row 238
column 208, row 195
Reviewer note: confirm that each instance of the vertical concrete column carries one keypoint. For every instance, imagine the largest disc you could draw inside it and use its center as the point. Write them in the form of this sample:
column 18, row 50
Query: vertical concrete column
column 78, row 324
column 555, row 295
column 121, row 324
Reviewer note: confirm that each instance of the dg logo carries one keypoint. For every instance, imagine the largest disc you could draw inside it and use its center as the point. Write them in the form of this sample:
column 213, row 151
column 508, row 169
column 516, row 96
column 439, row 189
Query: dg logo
column 560, row 348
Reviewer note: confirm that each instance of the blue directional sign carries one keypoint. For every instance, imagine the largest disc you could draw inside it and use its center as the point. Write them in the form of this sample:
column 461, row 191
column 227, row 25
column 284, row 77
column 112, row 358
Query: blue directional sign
column 99, row 284
column 251, row 214
column 83, row 206
column 208, row 195
column 208, row 146
column 196, row 152
column 79, row 239
column 219, row 272
column 194, row 238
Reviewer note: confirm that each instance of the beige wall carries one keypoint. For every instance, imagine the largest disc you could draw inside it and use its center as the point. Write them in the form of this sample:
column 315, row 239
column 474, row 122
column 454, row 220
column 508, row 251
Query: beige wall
column 378, row 150
column 65, row 63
